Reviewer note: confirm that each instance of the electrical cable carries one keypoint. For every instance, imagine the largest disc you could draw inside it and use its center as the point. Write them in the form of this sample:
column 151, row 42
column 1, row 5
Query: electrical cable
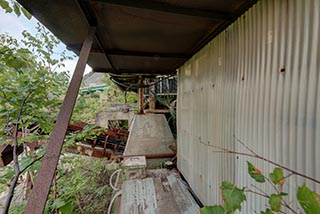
column 137, row 86
column 119, row 192
column 117, row 179
column 112, row 200
column 130, row 75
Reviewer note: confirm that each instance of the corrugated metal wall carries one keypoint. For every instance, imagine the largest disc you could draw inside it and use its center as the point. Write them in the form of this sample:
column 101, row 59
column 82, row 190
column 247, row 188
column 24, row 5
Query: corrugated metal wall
column 258, row 81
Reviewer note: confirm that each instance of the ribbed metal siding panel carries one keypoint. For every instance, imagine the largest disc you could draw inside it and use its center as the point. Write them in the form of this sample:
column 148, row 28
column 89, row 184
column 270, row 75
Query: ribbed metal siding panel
column 258, row 81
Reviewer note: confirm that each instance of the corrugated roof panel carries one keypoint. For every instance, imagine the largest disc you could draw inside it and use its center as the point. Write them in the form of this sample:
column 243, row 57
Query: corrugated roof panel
column 150, row 64
column 137, row 28
column 217, row 5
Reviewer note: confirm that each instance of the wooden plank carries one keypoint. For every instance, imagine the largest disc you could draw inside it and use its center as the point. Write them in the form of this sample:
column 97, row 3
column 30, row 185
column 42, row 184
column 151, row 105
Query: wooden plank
column 165, row 201
column 38, row 197
column 183, row 198
column 138, row 197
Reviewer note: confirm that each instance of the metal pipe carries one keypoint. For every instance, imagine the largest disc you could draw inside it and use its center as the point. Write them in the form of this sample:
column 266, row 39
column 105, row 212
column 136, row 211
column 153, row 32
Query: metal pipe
column 153, row 156
column 43, row 181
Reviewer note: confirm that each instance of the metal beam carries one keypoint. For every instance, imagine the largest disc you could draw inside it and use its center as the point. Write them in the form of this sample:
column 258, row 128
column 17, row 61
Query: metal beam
column 148, row 54
column 129, row 71
column 77, row 48
column 93, row 21
column 119, row 52
column 38, row 197
column 168, row 8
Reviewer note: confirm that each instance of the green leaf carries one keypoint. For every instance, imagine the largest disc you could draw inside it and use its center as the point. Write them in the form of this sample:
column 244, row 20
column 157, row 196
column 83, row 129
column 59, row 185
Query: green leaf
column 268, row 211
column 277, row 176
column 16, row 9
column 283, row 194
column 58, row 203
column 67, row 208
column 309, row 201
column 5, row 5
column 26, row 13
column 6, row 175
column 255, row 173
column 13, row 63
column 232, row 196
column 216, row 209
column 275, row 202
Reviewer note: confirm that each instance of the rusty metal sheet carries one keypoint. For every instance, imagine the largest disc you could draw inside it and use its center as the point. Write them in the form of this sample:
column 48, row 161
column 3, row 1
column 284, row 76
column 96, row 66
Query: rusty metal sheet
column 6, row 154
column 87, row 150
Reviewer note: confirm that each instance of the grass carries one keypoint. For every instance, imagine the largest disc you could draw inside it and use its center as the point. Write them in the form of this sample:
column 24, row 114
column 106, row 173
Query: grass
column 82, row 187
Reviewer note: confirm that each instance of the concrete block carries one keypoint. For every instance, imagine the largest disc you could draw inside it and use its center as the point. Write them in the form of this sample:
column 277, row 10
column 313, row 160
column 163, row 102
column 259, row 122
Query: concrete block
column 134, row 167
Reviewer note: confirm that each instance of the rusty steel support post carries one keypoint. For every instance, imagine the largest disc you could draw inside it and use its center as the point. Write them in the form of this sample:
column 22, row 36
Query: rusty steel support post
column 152, row 98
column 141, row 100
column 37, row 201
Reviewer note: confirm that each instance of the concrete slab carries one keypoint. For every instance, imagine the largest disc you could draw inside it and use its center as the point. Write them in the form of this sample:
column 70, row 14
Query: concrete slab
column 149, row 135
column 134, row 162
column 116, row 111
column 134, row 167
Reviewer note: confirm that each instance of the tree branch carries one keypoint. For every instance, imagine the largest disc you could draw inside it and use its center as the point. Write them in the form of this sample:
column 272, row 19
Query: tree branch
column 223, row 150
column 243, row 144
column 257, row 193
column 264, row 194
column 15, row 158
column 30, row 164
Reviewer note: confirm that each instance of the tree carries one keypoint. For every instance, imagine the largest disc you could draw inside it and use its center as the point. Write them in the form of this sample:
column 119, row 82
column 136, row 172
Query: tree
column 30, row 90
column 13, row 6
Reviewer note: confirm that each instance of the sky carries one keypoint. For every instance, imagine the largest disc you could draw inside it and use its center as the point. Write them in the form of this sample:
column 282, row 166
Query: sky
column 13, row 25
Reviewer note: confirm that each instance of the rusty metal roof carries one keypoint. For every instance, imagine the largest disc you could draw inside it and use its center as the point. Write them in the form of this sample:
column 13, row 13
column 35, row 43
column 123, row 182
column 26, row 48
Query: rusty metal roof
column 137, row 36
